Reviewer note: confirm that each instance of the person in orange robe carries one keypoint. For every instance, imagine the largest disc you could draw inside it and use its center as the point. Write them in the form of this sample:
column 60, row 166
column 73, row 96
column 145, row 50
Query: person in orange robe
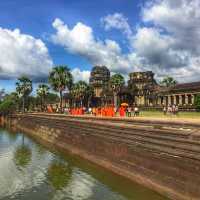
column 99, row 111
column 109, row 112
column 49, row 109
column 112, row 112
column 82, row 111
column 103, row 111
column 122, row 111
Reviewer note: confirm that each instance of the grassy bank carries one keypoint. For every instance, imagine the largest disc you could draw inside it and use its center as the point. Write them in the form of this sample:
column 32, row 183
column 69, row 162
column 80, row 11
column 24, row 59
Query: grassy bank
column 192, row 115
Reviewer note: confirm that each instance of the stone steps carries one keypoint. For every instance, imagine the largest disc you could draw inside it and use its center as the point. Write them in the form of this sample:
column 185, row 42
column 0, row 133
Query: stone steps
column 152, row 131
column 168, row 157
column 176, row 147
column 135, row 121
column 175, row 150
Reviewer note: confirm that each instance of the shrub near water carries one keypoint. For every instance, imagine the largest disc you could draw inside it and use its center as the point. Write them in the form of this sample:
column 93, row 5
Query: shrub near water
column 7, row 106
column 197, row 102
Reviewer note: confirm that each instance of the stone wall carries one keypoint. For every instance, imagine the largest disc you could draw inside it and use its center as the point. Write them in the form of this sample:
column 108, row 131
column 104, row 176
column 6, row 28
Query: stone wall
column 165, row 159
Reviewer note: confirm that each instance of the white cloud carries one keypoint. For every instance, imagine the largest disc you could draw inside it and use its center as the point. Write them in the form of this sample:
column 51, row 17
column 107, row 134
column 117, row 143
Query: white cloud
column 173, row 47
column 80, row 75
column 166, row 42
column 80, row 40
column 22, row 54
column 179, row 18
column 117, row 21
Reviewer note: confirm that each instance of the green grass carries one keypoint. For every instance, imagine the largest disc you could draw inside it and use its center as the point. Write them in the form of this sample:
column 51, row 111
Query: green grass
column 192, row 115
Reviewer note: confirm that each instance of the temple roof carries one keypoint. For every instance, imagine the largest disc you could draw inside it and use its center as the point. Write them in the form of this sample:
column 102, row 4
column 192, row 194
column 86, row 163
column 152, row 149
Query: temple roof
column 182, row 87
column 192, row 85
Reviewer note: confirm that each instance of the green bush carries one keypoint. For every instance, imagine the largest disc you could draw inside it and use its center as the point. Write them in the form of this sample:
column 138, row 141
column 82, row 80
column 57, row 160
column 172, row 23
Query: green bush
column 197, row 102
column 7, row 107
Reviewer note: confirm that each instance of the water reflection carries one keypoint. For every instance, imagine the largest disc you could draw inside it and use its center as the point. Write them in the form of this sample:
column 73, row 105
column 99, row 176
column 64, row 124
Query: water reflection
column 59, row 174
column 22, row 155
column 30, row 171
column 12, row 137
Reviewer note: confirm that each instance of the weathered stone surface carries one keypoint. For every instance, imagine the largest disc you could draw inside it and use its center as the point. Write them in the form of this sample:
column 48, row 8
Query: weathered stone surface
column 166, row 160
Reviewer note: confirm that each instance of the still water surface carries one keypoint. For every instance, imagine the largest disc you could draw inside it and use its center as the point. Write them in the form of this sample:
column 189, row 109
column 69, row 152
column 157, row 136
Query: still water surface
column 30, row 171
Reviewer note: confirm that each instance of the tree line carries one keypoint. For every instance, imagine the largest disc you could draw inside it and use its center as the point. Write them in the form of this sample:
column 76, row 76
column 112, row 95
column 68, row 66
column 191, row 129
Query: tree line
column 60, row 79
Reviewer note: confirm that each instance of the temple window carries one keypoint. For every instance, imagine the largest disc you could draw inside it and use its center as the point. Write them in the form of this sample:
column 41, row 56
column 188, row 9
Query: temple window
column 162, row 100
column 183, row 99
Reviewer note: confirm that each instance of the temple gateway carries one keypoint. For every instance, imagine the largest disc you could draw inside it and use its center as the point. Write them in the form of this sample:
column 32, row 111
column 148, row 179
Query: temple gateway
column 142, row 90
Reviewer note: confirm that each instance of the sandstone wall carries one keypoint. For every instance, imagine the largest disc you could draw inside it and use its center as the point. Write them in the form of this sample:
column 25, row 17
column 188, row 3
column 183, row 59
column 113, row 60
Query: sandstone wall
column 164, row 159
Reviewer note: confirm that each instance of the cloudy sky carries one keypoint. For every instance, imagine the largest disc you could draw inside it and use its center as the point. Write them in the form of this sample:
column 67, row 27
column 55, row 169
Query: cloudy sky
column 125, row 35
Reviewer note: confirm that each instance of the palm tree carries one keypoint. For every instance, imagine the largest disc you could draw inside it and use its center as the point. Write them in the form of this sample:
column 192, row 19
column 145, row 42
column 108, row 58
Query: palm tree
column 42, row 92
column 23, row 89
column 60, row 78
column 89, row 94
column 116, row 82
column 168, row 81
column 74, row 93
column 80, row 91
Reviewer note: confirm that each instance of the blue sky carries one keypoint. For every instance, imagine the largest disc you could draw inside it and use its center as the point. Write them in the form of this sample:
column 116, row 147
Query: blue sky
column 139, row 33
column 35, row 18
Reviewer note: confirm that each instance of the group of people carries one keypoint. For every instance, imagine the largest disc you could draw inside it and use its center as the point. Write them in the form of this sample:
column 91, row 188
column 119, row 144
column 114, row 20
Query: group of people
column 131, row 111
column 109, row 111
column 171, row 109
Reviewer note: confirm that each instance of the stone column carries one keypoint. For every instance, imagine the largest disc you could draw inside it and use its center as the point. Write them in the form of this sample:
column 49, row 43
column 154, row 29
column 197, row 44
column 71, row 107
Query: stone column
column 159, row 102
column 186, row 99
column 164, row 100
column 169, row 100
column 175, row 99
column 192, row 98
column 180, row 100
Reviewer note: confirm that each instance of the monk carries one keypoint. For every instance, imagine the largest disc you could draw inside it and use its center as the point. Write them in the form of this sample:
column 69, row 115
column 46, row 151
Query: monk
column 49, row 109
column 112, row 112
column 103, row 111
column 94, row 111
column 122, row 111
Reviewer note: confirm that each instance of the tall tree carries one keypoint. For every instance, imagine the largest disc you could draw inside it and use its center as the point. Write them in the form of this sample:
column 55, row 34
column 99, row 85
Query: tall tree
column 42, row 92
column 116, row 83
column 52, row 98
column 24, row 88
column 60, row 78
column 168, row 81
column 89, row 94
column 81, row 90
column 74, row 93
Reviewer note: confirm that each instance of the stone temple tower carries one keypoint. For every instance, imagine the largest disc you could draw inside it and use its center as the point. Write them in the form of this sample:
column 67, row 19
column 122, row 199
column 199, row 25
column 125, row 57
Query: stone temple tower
column 141, row 85
column 99, row 79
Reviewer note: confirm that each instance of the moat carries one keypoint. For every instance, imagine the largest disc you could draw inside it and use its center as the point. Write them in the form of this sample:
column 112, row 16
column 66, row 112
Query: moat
column 31, row 171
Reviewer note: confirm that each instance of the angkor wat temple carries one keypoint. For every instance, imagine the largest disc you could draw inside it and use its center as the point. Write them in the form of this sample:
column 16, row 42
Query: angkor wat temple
column 142, row 90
